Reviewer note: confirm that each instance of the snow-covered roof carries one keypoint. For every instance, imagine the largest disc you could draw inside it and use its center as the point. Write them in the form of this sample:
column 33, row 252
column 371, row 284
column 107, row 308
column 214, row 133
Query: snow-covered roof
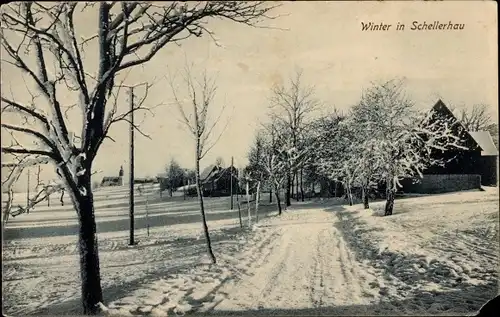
column 186, row 187
column 207, row 172
column 484, row 140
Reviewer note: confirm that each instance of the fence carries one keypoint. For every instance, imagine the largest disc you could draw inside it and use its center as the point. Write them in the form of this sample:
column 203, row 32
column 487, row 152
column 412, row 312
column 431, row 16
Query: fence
column 439, row 183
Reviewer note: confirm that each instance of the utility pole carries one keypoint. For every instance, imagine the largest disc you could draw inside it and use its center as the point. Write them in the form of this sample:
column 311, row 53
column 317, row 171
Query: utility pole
column 184, row 186
column 248, row 203
column 238, row 200
column 232, row 163
column 131, row 194
column 28, row 193
column 147, row 213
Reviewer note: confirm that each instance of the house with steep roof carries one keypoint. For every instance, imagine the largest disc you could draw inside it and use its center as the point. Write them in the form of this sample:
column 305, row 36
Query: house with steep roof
column 463, row 168
column 488, row 163
column 216, row 180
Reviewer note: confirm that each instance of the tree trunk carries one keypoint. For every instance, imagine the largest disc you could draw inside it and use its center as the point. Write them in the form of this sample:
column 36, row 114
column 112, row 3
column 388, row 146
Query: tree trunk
column 302, row 184
column 389, row 204
column 202, row 208
column 277, row 194
column 257, row 198
column 270, row 195
column 88, row 247
column 312, row 190
column 365, row 197
column 297, row 186
column 288, row 188
column 349, row 194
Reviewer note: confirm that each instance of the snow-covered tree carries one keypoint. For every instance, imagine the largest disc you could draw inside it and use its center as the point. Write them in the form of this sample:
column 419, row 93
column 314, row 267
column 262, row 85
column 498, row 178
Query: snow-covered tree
column 40, row 41
column 359, row 154
column 189, row 176
column 174, row 177
column 309, row 173
column 334, row 153
column 402, row 139
column 292, row 105
column 255, row 168
column 274, row 160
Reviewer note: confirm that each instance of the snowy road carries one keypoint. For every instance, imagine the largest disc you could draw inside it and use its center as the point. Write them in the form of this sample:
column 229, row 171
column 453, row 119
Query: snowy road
column 305, row 265
column 435, row 256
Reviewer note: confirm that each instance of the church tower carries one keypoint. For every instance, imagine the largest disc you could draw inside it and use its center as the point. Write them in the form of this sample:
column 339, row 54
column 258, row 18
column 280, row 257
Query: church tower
column 120, row 175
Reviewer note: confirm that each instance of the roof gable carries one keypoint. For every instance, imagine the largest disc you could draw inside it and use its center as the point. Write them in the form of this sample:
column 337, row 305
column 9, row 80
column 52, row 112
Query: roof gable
column 209, row 172
column 441, row 110
column 485, row 141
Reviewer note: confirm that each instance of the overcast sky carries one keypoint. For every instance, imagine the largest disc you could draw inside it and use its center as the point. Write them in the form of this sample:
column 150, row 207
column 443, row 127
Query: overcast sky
column 326, row 41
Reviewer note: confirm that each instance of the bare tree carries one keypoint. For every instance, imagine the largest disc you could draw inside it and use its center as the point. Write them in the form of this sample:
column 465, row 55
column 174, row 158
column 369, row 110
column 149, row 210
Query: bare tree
column 42, row 190
column 291, row 106
column 476, row 118
column 40, row 41
column 219, row 162
column 201, row 95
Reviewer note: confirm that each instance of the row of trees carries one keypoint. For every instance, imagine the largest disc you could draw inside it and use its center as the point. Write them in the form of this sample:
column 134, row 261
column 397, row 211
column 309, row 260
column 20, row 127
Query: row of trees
column 176, row 176
column 41, row 42
column 282, row 148
column 378, row 142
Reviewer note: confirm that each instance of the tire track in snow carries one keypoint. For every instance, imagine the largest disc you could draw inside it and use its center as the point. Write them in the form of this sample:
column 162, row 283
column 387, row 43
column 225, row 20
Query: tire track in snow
column 318, row 290
column 270, row 286
column 350, row 272
column 306, row 266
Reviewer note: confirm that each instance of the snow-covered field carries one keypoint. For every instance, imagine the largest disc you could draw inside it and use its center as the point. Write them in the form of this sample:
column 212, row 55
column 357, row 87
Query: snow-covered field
column 111, row 205
column 435, row 255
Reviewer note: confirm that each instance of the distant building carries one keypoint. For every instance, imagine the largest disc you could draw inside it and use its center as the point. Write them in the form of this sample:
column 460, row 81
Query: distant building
column 216, row 180
column 113, row 180
column 146, row 180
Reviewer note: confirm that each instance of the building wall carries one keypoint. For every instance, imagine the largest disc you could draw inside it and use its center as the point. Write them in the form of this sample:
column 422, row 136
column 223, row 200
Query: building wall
column 112, row 181
column 489, row 167
column 442, row 183
column 458, row 162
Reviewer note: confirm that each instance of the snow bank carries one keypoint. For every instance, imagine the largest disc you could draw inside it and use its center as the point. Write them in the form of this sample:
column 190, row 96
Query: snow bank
column 439, row 251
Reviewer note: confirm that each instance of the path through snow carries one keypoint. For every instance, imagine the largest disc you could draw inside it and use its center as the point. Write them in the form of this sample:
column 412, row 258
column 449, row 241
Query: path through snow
column 306, row 265
column 435, row 255
column 296, row 261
